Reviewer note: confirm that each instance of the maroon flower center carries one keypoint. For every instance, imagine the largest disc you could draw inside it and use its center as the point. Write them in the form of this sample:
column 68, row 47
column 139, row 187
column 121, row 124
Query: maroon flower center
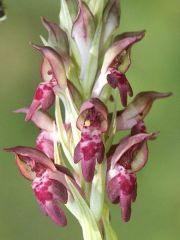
column 138, row 128
column 116, row 62
column 39, row 169
column 93, row 118
column 116, row 79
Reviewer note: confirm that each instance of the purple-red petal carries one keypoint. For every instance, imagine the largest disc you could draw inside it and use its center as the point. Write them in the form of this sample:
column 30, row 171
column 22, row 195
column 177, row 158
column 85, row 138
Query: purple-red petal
column 118, row 80
column 88, row 169
column 43, row 98
column 122, row 189
column 56, row 213
column 49, row 193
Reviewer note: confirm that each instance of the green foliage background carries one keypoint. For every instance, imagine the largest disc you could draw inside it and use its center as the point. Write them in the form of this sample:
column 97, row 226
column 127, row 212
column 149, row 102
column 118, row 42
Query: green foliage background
column 155, row 66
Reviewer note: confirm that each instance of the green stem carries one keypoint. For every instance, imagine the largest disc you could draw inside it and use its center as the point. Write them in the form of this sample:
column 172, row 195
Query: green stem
column 108, row 230
column 86, row 187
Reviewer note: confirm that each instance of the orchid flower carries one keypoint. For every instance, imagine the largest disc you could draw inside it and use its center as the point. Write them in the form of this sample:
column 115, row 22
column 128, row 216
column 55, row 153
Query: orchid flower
column 92, row 122
column 48, row 133
column 128, row 157
column 48, row 183
column 122, row 189
column 115, row 65
column 76, row 159
column 53, row 75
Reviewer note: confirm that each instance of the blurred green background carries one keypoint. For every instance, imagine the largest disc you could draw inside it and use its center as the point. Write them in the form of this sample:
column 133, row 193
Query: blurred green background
column 156, row 66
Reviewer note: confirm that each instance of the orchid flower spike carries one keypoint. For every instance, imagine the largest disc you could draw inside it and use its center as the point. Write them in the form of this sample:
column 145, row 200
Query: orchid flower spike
column 79, row 154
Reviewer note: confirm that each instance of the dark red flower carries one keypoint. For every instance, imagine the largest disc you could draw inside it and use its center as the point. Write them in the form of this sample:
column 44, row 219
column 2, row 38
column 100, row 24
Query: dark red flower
column 48, row 182
column 92, row 122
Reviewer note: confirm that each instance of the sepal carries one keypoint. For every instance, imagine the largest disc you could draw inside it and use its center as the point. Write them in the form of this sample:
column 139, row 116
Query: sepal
column 57, row 66
column 132, row 152
column 40, row 118
column 82, row 32
column 32, row 157
column 138, row 109
column 57, row 38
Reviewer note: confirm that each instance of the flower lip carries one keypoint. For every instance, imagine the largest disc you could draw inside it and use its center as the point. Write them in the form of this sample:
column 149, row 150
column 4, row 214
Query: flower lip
column 118, row 80
column 50, row 193
column 122, row 189
column 99, row 107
